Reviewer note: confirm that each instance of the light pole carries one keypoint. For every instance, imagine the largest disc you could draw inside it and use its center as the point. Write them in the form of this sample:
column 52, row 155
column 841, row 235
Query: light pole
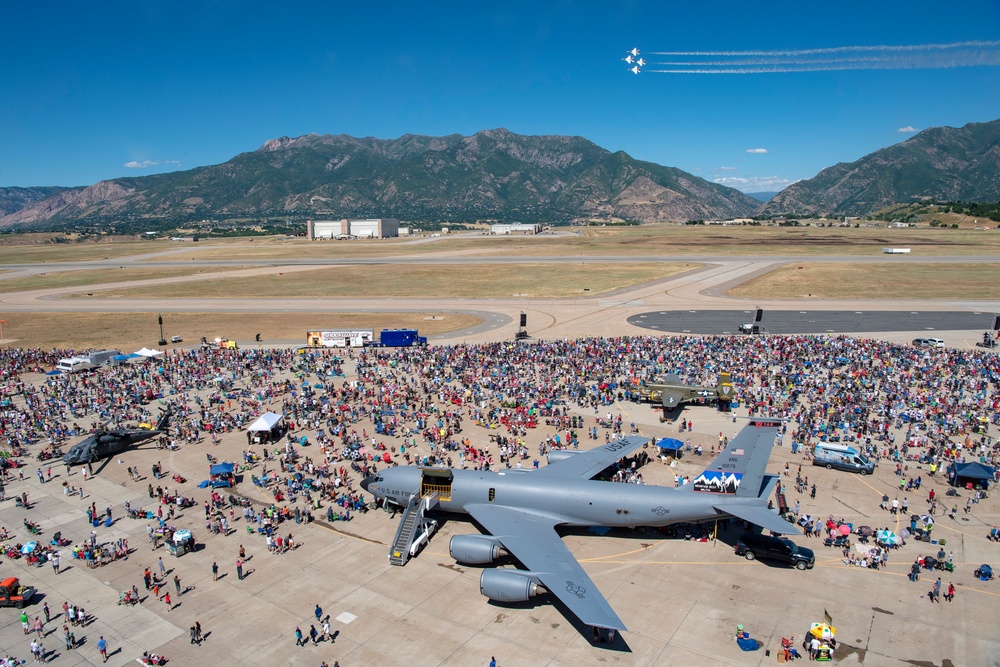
column 159, row 318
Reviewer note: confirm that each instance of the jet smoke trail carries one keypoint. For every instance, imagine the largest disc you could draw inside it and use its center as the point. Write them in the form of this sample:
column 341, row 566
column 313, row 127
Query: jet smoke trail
column 912, row 58
column 834, row 49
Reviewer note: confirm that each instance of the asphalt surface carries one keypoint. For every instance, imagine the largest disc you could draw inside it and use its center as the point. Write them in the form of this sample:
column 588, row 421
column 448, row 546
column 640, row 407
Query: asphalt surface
column 811, row 321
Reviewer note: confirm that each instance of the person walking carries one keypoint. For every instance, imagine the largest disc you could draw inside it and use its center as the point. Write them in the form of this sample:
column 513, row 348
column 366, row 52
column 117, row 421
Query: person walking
column 326, row 628
column 38, row 627
column 239, row 569
column 215, row 571
column 936, row 591
column 191, row 632
column 313, row 634
column 177, row 584
column 67, row 637
column 45, row 610
column 318, row 611
column 102, row 647
column 163, row 569
column 197, row 631
column 298, row 637
column 24, row 622
column 950, row 595
column 166, row 599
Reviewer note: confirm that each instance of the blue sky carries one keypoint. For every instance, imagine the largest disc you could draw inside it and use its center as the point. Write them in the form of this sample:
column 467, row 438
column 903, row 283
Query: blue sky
column 86, row 89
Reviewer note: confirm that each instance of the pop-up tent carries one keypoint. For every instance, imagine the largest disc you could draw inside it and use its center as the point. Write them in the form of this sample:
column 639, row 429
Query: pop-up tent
column 267, row 427
column 221, row 475
column 146, row 352
column 671, row 447
column 976, row 474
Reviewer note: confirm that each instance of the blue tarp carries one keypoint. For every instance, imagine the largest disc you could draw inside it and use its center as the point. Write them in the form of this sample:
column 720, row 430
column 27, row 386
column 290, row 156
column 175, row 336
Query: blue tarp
column 53, row 372
column 222, row 469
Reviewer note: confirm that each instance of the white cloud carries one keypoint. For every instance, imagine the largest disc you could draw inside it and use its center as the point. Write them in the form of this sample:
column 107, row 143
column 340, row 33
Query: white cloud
column 755, row 183
column 756, row 150
column 908, row 128
column 719, row 170
column 145, row 164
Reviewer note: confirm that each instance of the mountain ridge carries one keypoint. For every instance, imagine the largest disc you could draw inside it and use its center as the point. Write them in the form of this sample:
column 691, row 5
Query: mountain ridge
column 940, row 163
column 492, row 174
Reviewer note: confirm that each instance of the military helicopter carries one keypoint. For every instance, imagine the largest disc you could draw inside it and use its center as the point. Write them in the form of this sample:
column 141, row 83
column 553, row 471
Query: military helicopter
column 107, row 442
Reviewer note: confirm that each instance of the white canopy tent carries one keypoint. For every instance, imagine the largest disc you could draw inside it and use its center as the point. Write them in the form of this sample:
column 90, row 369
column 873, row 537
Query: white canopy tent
column 266, row 422
column 146, row 352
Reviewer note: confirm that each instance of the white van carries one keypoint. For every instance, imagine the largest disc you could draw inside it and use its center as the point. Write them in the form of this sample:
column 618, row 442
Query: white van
column 935, row 342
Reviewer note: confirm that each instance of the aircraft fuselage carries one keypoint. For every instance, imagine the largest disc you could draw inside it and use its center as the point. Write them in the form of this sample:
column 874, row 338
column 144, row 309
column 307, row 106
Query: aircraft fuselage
column 577, row 502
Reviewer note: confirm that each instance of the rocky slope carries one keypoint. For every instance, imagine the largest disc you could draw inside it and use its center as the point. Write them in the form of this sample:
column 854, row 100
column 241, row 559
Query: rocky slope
column 493, row 174
column 942, row 163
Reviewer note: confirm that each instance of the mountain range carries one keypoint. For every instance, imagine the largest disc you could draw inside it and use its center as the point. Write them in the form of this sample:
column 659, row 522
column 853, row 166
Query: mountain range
column 940, row 163
column 493, row 174
column 499, row 175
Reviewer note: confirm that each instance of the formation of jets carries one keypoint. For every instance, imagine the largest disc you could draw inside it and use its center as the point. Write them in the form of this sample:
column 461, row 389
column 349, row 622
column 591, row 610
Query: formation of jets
column 632, row 58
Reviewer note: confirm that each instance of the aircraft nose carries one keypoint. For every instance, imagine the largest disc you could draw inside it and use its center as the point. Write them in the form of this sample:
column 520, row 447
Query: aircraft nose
column 366, row 481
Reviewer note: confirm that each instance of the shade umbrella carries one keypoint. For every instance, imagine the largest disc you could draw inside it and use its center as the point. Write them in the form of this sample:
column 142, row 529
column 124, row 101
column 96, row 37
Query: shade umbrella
column 29, row 547
column 844, row 529
column 887, row 537
column 864, row 531
column 822, row 631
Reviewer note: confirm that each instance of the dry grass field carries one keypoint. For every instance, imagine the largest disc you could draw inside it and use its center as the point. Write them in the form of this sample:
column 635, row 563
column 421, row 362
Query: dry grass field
column 35, row 253
column 442, row 281
column 130, row 331
column 874, row 281
column 97, row 277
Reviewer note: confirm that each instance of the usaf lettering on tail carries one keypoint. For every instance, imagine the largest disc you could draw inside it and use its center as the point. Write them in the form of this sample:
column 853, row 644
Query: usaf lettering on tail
column 520, row 510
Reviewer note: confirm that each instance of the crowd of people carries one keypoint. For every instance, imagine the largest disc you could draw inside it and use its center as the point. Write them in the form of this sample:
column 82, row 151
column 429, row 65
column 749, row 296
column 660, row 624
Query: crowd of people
column 395, row 406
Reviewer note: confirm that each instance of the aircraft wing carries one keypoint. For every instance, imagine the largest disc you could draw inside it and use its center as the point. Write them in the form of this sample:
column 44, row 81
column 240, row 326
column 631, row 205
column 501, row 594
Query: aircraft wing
column 671, row 398
column 760, row 516
column 585, row 465
column 532, row 539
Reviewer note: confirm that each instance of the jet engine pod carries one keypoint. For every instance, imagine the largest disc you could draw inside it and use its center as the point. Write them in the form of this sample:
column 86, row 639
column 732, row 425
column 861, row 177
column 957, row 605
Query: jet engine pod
column 474, row 549
column 508, row 585
column 560, row 454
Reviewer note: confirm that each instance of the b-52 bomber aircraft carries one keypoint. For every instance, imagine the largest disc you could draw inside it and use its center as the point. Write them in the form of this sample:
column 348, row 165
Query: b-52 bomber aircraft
column 520, row 510
column 105, row 443
column 672, row 391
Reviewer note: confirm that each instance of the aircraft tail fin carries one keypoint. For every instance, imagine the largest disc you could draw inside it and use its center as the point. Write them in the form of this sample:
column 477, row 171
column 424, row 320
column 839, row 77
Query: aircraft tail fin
column 739, row 469
column 724, row 389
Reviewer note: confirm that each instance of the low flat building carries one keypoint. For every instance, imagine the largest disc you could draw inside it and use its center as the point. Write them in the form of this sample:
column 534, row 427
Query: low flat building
column 503, row 229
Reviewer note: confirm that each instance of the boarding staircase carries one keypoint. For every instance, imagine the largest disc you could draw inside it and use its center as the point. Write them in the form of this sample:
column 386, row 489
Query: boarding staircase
column 413, row 516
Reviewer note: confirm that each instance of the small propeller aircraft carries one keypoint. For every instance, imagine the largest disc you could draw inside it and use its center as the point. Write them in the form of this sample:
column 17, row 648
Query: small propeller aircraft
column 108, row 442
column 672, row 391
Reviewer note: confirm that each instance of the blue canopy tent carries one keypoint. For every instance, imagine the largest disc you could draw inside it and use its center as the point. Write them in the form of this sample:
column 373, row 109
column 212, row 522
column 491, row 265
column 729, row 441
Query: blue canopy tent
column 221, row 475
column 971, row 475
column 671, row 447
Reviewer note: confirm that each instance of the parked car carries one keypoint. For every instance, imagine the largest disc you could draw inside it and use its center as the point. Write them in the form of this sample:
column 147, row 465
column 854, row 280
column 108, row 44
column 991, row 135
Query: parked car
column 919, row 342
column 780, row 549
column 935, row 342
